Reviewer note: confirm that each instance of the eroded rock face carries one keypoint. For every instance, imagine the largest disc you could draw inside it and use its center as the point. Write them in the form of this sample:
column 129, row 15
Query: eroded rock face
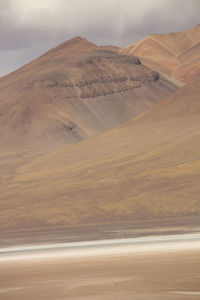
column 99, row 75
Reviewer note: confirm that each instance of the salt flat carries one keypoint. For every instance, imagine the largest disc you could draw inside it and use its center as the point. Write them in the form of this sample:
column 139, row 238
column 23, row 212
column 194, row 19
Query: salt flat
column 102, row 247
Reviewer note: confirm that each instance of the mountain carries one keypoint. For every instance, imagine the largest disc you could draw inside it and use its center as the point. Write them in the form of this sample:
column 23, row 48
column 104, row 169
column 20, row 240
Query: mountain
column 72, row 92
column 175, row 54
column 145, row 169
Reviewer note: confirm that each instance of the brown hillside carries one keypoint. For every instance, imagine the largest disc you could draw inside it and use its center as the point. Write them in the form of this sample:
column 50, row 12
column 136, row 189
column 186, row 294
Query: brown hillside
column 73, row 92
column 171, row 53
column 148, row 168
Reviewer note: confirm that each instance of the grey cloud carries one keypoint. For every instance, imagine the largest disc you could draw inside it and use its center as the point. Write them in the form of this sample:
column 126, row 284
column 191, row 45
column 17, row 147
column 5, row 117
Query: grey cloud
column 171, row 16
column 28, row 28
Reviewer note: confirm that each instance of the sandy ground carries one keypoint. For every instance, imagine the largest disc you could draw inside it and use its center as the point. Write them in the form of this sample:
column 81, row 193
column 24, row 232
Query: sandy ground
column 144, row 276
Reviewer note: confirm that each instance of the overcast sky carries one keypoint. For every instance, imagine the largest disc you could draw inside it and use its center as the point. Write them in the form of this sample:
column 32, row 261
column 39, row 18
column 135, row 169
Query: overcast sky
column 30, row 27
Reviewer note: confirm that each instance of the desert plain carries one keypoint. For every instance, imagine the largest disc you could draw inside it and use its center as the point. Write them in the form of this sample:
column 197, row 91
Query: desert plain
column 173, row 275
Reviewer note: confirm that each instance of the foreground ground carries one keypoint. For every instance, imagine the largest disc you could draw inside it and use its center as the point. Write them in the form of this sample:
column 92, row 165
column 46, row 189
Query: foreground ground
column 148, row 276
column 142, row 275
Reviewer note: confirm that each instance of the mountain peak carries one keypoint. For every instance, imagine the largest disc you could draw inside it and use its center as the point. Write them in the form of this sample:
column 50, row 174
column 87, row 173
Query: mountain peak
column 80, row 39
column 77, row 44
column 73, row 45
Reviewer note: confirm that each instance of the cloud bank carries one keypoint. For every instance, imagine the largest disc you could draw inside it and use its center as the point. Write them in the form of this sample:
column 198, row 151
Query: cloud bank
column 28, row 28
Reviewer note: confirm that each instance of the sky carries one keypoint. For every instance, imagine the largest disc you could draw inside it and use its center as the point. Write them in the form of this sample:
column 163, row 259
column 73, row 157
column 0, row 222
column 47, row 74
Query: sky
column 28, row 28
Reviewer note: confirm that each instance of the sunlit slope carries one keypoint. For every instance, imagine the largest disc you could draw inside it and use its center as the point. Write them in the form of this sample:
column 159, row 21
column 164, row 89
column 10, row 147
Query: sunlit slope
column 175, row 54
column 146, row 169
column 189, row 64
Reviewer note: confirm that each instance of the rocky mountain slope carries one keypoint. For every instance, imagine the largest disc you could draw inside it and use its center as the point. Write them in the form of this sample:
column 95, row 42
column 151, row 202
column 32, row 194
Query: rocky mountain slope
column 73, row 92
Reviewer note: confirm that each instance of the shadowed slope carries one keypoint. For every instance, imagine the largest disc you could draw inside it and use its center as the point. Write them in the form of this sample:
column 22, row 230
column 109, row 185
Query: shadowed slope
column 145, row 169
column 171, row 53
column 72, row 92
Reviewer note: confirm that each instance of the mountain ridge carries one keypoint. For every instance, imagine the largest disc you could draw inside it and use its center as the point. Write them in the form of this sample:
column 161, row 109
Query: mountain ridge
column 162, row 51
